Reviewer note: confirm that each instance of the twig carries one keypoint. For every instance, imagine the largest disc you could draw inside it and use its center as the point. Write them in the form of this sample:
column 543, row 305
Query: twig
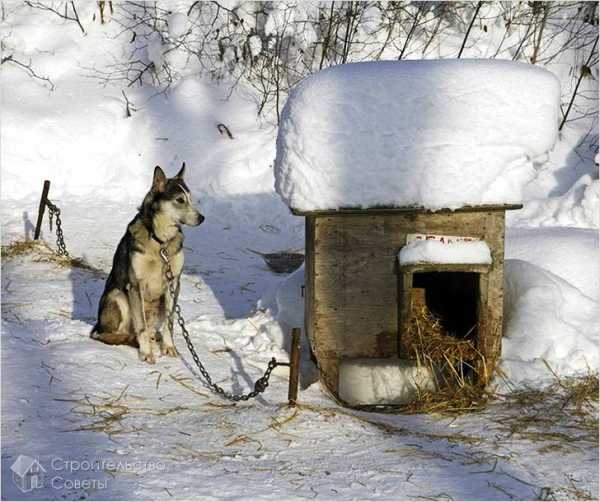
column 222, row 128
column 27, row 67
column 581, row 75
column 188, row 387
column 40, row 5
column 410, row 33
column 77, row 17
column 479, row 4
column 128, row 107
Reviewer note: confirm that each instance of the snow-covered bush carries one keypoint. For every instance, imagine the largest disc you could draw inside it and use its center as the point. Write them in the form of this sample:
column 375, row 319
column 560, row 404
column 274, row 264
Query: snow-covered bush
column 270, row 46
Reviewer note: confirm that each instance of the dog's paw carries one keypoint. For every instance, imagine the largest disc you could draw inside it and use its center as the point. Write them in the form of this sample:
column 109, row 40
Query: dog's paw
column 147, row 357
column 168, row 350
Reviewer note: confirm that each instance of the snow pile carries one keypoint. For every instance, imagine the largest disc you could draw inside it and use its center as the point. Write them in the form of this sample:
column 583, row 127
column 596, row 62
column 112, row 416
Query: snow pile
column 87, row 146
column 289, row 297
column 570, row 253
column 433, row 251
column 437, row 134
column 579, row 206
column 546, row 319
column 565, row 191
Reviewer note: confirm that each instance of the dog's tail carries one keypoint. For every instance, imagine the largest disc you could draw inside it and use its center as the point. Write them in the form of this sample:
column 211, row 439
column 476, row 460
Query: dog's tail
column 114, row 338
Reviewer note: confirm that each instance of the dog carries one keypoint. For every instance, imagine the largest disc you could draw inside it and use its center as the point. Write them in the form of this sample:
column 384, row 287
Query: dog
column 136, row 302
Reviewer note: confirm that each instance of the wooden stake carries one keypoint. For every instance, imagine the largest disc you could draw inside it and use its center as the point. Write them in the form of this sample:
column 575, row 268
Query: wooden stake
column 294, row 367
column 42, row 208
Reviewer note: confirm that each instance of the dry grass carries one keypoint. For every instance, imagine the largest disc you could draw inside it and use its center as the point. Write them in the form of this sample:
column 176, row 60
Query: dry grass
column 568, row 403
column 564, row 412
column 19, row 248
column 388, row 428
column 277, row 424
column 427, row 341
column 42, row 253
column 452, row 360
column 466, row 398
column 109, row 413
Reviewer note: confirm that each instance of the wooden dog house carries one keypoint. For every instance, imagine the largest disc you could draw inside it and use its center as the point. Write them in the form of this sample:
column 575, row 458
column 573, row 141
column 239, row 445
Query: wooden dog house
column 358, row 297
column 370, row 154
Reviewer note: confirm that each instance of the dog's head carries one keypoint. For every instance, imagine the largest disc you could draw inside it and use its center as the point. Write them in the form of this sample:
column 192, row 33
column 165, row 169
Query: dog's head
column 172, row 198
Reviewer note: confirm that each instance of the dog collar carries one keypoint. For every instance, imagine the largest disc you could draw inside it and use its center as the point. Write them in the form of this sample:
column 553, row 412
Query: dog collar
column 155, row 237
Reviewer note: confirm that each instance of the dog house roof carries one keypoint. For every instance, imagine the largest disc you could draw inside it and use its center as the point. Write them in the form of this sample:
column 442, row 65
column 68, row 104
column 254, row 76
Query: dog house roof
column 431, row 134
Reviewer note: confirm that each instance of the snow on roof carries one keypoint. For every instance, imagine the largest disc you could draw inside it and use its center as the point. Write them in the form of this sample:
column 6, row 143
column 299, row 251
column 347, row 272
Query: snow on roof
column 428, row 133
column 433, row 251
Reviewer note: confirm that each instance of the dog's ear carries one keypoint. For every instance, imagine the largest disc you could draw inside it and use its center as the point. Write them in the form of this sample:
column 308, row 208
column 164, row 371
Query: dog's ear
column 159, row 182
column 181, row 172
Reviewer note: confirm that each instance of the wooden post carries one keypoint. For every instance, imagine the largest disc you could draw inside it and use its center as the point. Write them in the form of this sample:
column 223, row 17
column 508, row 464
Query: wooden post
column 42, row 208
column 294, row 367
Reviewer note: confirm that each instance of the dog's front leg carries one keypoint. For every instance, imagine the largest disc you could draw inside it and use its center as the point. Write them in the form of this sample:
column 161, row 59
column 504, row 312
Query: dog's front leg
column 167, row 347
column 143, row 334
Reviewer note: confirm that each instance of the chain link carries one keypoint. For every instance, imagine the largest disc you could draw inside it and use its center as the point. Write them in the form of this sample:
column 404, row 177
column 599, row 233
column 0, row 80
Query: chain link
column 259, row 386
column 60, row 239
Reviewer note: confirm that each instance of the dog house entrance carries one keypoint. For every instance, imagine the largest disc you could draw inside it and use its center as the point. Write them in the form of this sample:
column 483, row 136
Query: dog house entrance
column 453, row 297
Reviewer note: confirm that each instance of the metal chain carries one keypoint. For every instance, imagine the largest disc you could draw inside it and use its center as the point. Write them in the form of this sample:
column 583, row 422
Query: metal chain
column 60, row 239
column 259, row 386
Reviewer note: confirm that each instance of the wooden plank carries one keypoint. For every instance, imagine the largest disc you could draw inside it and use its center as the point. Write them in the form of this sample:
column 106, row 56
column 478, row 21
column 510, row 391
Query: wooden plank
column 405, row 283
column 357, row 263
column 328, row 333
column 484, row 326
column 365, row 337
column 446, row 267
column 384, row 235
column 41, row 209
column 379, row 290
column 309, row 278
column 354, row 307
column 395, row 210
column 490, row 332
column 329, row 369
column 294, row 367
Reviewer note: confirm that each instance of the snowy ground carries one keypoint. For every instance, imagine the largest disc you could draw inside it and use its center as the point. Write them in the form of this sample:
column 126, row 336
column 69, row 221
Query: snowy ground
column 67, row 397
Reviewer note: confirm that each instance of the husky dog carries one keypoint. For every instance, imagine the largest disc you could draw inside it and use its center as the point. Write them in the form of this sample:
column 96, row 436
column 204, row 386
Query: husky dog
column 134, row 306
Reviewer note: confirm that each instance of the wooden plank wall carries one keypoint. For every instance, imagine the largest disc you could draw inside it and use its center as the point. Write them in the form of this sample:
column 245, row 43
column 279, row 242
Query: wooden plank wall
column 489, row 340
column 352, row 289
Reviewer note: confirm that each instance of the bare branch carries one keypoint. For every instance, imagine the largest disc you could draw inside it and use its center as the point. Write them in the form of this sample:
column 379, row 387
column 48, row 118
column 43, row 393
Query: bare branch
column 29, row 69
column 49, row 8
column 462, row 47
column 581, row 75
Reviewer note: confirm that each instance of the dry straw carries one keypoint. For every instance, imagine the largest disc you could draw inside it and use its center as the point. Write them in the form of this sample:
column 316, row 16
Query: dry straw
column 454, row 362
column 42, row 253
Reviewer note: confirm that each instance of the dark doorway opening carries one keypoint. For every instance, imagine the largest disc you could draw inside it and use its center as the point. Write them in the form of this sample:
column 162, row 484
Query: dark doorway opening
column 454, row 298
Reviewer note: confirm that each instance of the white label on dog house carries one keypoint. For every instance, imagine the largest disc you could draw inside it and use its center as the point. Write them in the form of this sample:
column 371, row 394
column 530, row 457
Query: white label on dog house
column 444, row 239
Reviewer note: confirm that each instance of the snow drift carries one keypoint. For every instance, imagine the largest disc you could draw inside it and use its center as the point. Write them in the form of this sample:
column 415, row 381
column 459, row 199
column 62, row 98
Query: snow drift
column 547, row 320
column 435, row 133
column 569, row 253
